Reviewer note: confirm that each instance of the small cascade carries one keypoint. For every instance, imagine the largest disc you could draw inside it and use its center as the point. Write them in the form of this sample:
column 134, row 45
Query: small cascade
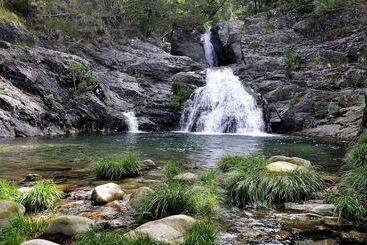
column 223, row 105
column 210, row 55
column 132, row 122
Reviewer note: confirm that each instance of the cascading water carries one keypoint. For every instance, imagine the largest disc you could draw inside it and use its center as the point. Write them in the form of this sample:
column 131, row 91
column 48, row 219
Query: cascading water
column 210, row 55
column 132, row 122
column 223, row 105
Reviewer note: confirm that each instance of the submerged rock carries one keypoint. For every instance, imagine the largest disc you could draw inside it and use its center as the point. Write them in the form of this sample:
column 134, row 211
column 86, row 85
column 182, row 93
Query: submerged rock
column 171, row 229
column 316, row 206
column 294, row 160
column 190, row 177
column 107, row 193
column 281, row 167
column 69, row 225
column 38, row 242
column 8, row 210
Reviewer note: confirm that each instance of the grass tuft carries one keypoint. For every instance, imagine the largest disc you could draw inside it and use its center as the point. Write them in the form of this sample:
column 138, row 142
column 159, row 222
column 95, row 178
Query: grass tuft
column 253, row 163
column 42, row 196
column 323, row 7
column 21, row 229
column 8, row 191
column 126, row 165
column 348, row 206
column 358, row 156
column 171, row 169
column 203, row 233
column 9, row 16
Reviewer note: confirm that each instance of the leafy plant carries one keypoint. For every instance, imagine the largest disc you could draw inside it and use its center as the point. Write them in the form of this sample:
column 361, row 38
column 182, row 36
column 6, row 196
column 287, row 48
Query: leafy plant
column 203, row 233
column 292, row 63
column 8, row 191
column 126, row 165
column 21, row 229
column 42, row 196
column 323, row 7
column 8, row 15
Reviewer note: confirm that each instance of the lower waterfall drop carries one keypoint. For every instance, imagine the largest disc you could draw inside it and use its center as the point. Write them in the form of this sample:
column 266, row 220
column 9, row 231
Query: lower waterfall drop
column 222, row 106
column 132, row 122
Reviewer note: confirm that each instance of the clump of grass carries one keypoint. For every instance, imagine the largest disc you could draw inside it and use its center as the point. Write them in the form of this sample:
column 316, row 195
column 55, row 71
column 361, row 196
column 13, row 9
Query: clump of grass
column 42, row 196
column 323, row 7
column 257, row 186
column 358, row 155
column 171, row 169
column 357, row 180
column 113, row 238
column 126, row 165
column 8, row 191
column 21, row 229
column 250, row 162
column 203, row 233
column 348, row 206
column 208, row 177
column 9, row 16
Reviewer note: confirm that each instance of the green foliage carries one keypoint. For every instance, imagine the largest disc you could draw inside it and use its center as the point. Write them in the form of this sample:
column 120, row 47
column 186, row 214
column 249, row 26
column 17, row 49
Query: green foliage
column 126, row 165
column 358, row 156
column 338, row 59
column 42, row 196
column 8, row 191
column 348, row 206
column 49, row 98
column 357, row 180
column 113, row 238
column 21, row 229
column 171, row 169
column 292, row 63
column 251, row 183
column 323, row 7
column 363, row 54
column 9, row 16
column 177, row 197
column 181, row 94
column 208, row 177
column 82, row 79
column 253, row 163
column 203, row 233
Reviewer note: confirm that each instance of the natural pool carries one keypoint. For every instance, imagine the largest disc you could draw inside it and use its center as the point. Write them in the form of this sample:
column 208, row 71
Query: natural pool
column 69, row 157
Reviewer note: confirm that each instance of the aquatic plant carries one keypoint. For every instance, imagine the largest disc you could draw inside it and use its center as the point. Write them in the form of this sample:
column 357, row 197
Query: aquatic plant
column 8, row 191
column 42, row 196
column 203, row 233
column 171, row 169
column 113, row 238
column 21, row 229
column 262, row 188
column 126, row 165
column 253, row 163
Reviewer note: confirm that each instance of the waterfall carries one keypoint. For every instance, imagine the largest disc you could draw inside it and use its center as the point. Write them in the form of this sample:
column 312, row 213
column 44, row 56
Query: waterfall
column 132, row 122
column 210, row 55
column 223, row 105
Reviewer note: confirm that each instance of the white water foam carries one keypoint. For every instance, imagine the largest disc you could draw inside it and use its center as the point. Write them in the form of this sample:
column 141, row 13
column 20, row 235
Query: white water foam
column 132, row 122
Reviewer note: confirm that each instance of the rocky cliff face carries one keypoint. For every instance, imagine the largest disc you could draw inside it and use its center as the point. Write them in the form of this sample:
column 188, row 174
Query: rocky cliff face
column 310, row 71
column 36, row 100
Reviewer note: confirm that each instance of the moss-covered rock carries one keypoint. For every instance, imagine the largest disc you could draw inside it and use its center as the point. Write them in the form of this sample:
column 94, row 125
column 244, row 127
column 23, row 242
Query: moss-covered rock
column 69, row 225
column 8, row 210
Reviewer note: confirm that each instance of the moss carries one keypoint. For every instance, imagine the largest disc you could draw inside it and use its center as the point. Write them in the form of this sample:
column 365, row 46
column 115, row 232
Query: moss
column 25, row 44
column 181, row 94
column 49, row 98
column 9, row 16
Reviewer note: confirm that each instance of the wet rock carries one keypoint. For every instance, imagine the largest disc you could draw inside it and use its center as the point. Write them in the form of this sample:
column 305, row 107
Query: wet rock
column 281, row 167
column 23, row 190
column 81, row 194
column 107, row 193
column 69, row 225
column 189, row 177
column 315, row 206
column 32, row 177
column 171, row 229
column 294, row 160
column 8, row 210
column 301, row 220
column 139, row 194
column 354, row 237
column 38, row 242
column 332, row 179
column 149, row 164
column 317, row 242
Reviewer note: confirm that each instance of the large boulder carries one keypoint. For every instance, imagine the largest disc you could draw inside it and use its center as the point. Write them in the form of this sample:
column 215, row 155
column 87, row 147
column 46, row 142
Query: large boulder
column 38, row 242
column 8, row 210
column 295, row 160
column 69, row 225
column 171, row 229
column 281, row 167
column 107, row 193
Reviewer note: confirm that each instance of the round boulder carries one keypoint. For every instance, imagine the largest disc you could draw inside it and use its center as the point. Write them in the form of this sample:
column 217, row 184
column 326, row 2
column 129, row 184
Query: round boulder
column 38, row 242
column 189, row 177
column 295, row 160
column 282, row 167
column 149, row 164
column 172, row 229
column 69, row 225
column 107, row 193
column 9, row 209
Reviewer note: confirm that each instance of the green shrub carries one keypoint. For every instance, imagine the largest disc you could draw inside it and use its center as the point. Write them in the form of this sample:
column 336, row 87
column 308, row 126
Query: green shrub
column 171, row 169
column 249, row 162
column 357, row 180
column 292, row 63
column 9, row 16
column 208, row 177
column 42, row 196
column 348, row 206
column 8, row 191
column 21, row 229
column 112, row 238
column 177, row 197
column 323, row 7
column 181, row 94
column 262, row 188
column 358, row 156
column 203, row 233
column 126, row 165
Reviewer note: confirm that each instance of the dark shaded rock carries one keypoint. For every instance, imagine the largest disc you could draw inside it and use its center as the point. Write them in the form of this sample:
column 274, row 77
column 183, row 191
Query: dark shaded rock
column 15, row 34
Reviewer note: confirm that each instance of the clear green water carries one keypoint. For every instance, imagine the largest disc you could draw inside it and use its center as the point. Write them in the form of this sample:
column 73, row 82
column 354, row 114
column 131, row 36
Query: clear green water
column 69, row 157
